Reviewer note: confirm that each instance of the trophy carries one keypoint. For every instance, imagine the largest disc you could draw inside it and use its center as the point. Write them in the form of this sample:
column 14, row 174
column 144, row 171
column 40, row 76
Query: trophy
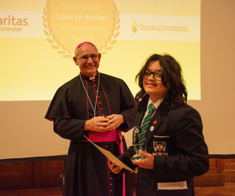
column 139, row 143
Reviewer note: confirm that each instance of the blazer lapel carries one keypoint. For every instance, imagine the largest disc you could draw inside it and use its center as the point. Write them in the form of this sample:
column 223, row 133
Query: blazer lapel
column 138, row 118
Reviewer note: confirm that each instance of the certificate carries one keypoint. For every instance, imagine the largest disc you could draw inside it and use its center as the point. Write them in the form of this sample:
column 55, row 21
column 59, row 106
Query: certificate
column 111, row 157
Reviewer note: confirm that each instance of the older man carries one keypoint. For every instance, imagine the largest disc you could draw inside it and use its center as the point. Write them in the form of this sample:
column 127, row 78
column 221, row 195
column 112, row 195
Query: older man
column 99, row 106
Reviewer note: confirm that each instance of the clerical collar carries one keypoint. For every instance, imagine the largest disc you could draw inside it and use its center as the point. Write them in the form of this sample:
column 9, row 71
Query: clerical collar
column 90, row 78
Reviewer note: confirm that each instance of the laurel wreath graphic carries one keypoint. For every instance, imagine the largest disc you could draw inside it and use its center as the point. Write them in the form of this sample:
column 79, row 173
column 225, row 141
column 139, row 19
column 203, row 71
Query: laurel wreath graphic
column 61, row 49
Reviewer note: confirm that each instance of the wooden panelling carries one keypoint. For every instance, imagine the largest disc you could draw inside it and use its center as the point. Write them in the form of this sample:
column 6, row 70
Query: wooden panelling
column 38, row 174
column 48, row 173
column 214, row 177
column 43, row 174
column 229, row 170
column 15, row 175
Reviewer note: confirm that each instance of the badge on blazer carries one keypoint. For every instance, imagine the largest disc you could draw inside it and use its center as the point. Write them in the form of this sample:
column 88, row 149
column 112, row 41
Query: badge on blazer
column 159, row 148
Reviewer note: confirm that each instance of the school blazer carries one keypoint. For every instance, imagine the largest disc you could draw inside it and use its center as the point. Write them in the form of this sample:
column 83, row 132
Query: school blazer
column 175, row 138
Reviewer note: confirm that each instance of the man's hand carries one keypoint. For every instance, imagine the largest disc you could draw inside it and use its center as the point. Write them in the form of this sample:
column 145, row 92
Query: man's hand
column 98, row 123
column 114, row 168
column 115, row 120
column 146, row 163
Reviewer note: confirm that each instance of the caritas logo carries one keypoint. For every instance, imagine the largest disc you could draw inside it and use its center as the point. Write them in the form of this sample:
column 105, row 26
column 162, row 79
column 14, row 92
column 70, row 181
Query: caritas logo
column 12, row 23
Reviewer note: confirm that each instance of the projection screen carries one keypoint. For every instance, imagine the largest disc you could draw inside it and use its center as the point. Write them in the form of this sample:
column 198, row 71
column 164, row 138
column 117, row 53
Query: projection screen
column 38, row 38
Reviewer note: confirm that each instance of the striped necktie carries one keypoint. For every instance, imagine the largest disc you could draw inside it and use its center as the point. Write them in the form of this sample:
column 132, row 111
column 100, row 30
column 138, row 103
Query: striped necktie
column 145, row 123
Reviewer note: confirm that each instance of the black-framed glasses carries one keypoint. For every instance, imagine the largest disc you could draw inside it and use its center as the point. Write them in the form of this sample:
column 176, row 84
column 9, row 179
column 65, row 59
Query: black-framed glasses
column 156, row 74
column 86, row 57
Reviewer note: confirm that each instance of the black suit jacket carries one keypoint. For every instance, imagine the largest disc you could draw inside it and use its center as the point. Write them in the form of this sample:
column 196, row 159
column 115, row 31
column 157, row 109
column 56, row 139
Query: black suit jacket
column 175, row 138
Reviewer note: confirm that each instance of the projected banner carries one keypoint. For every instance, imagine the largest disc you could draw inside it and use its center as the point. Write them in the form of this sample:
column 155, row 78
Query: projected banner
column 38, row 38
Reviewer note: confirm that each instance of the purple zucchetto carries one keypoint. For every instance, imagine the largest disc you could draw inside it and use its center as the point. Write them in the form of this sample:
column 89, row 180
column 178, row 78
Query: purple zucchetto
column 79, row 45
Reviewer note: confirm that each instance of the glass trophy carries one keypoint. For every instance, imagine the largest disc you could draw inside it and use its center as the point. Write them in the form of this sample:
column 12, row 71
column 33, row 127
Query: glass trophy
column 139, row 143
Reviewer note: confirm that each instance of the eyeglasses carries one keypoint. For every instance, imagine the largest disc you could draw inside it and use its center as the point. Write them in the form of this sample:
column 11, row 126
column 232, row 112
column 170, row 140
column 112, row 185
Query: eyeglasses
column 156, row 74
column 86, row 57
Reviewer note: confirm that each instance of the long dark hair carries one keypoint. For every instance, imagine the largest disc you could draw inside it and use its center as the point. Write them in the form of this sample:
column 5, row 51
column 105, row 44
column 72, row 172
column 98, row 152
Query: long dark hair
column 171, row 78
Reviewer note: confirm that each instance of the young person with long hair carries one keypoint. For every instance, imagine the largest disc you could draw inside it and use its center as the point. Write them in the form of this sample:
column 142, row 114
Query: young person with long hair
column 175, row 147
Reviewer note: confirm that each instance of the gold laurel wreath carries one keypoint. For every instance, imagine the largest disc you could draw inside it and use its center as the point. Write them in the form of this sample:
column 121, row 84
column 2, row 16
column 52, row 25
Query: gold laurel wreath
column 114, row 34
column 61, row 49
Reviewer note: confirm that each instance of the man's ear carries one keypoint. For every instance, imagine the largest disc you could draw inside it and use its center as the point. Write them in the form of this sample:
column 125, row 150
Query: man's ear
column 75, row 60
column 99, row 56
